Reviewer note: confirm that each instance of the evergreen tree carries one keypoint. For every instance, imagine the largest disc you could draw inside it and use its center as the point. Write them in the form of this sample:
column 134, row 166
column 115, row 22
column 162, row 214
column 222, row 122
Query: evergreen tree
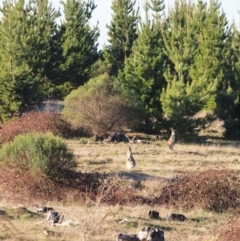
column 19, row 87
column 208, row 73
column 79, row 41
column 122, row 32
column 235, row 63
column 195, row 38
column 43, row 44
column 180, row 48
column 229, row 100
column 143, row 70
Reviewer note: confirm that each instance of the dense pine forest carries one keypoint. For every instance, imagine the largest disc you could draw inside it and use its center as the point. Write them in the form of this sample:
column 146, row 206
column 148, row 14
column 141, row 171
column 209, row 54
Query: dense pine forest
column 155, row 72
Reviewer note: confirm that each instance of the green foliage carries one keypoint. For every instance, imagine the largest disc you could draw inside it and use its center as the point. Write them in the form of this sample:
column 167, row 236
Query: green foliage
column 99, row 107
column 178, row 98
column 20, row 88
column 78, row 41
column 98, row 68
column 142, row 76
column 180, row 105
column 63, row 89
column 229, row 100
column 209, row 70
column 28, row 51
column 37, row 153
column 10, row 101
column 122, row 33
column 197, row 73
column 43, row 51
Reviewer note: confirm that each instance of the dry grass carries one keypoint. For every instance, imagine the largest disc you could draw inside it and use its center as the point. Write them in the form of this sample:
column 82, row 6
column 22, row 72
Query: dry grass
column 153, row 160
column 96, row 221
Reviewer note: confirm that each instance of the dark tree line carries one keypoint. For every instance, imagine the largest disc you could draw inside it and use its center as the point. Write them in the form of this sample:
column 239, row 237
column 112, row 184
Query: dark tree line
column 172, row 63
column 41, row 58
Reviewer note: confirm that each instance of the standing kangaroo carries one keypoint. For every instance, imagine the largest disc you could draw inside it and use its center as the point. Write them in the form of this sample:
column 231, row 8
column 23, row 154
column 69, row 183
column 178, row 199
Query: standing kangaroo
column 130, row 163
column 171, row 141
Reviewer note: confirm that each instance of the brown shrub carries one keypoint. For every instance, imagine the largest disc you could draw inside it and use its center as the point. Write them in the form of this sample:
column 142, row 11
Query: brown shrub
column 216, row 190
column 36, row 122
column 26, row 187
column 71, row 187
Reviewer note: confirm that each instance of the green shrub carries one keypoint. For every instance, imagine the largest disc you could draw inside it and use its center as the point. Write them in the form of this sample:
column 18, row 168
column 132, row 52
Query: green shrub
column 99, row 107
column 35, row 152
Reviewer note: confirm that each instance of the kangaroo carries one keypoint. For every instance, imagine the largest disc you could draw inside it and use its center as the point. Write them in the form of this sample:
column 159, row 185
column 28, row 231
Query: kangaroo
column 171, row 141
column 130, row 163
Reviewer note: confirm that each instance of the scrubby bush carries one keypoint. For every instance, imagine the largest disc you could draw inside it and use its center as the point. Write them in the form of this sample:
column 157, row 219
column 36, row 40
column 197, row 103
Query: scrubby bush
column 214, row 190
column 41, row 122
column 99, row 107
column 37, row 153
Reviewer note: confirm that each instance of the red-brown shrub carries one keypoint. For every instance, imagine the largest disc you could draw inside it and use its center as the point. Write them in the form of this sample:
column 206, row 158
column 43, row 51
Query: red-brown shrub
column 216, row 190
column 35, row 122
column 71, row 187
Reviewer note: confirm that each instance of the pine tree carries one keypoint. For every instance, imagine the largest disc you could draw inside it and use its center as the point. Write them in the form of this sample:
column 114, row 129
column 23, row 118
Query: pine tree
column 229, row 100
column 122, row 33
column 196, row 43
column 43, row 46
column 79, row 41
column 235, row 63
column 143, row 69
column 180, row 48
column 178, row 99
column 19, row 87
column 209, row 68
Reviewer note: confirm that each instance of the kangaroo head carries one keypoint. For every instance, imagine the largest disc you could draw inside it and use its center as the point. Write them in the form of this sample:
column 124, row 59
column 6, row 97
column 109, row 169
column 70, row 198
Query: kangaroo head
column 173, row 131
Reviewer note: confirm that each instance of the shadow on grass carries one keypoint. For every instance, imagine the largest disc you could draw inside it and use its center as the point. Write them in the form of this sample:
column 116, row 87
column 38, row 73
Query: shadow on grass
column 198, row 220
column 161, row 227
column 136, row 176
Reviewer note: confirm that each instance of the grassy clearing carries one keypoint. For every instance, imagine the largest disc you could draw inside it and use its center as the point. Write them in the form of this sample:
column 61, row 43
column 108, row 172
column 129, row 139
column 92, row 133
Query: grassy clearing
column 95, row 221
column 153, row 160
